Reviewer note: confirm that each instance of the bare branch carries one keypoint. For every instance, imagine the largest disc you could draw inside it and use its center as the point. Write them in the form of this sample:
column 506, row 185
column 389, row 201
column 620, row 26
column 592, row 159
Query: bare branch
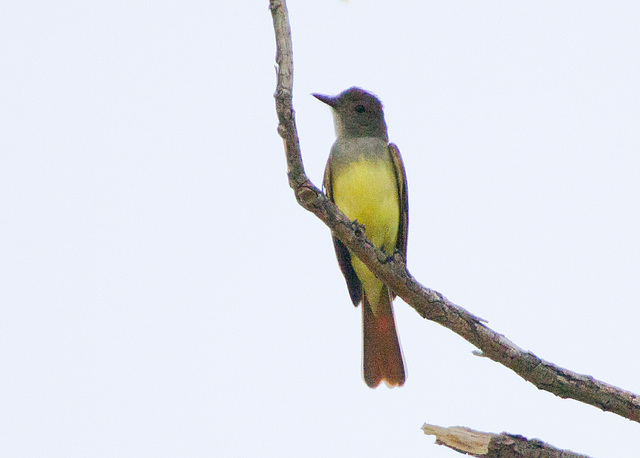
column 428, row 303
column 489, row 445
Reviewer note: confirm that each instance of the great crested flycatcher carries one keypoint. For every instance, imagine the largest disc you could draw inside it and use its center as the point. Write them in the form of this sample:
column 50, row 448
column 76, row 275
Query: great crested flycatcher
column 365, row 178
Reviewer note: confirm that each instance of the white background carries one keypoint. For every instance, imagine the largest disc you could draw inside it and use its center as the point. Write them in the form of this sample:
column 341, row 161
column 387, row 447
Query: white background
column 162, row 293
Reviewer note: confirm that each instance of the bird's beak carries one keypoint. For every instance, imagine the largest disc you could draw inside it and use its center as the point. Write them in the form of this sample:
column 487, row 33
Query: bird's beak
column 331, row 101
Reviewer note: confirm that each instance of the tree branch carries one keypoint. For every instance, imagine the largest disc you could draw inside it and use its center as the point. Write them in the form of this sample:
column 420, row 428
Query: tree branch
column 489, row 445
column 428, row 303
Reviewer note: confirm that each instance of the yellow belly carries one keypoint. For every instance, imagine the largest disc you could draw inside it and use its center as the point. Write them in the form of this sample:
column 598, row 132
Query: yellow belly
column 367, row 191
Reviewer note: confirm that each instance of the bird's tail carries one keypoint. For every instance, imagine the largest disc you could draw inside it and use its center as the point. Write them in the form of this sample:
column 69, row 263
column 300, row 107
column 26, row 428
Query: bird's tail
column 382, row 357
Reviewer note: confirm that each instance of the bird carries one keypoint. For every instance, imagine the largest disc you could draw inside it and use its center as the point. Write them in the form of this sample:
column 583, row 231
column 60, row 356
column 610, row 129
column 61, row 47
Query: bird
column 366, row 179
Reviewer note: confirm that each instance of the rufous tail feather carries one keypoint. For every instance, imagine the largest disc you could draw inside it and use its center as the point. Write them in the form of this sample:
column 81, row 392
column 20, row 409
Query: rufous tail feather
column 382, row 357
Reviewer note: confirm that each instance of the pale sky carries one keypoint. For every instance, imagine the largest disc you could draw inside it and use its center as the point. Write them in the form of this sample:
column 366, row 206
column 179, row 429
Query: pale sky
column 164, row 295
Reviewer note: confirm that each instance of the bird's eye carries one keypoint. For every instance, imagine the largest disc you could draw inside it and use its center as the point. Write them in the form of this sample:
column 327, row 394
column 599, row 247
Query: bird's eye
column 359, row 108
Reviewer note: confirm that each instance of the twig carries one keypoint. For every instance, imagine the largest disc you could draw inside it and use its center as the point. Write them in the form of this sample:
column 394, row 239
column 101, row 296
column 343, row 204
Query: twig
column 428, row 303
column 489, row 445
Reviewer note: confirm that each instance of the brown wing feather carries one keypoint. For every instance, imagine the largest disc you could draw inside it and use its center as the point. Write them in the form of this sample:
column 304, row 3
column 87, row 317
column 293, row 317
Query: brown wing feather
column 342, row 253
column 403, row 198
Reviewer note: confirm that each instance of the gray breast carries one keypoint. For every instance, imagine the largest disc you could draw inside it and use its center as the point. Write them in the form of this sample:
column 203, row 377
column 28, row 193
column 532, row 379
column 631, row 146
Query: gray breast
column 353, row 148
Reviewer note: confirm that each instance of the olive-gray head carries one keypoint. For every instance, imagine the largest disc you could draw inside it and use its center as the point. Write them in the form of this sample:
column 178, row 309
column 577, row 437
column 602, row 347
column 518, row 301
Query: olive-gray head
column 356, row 113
